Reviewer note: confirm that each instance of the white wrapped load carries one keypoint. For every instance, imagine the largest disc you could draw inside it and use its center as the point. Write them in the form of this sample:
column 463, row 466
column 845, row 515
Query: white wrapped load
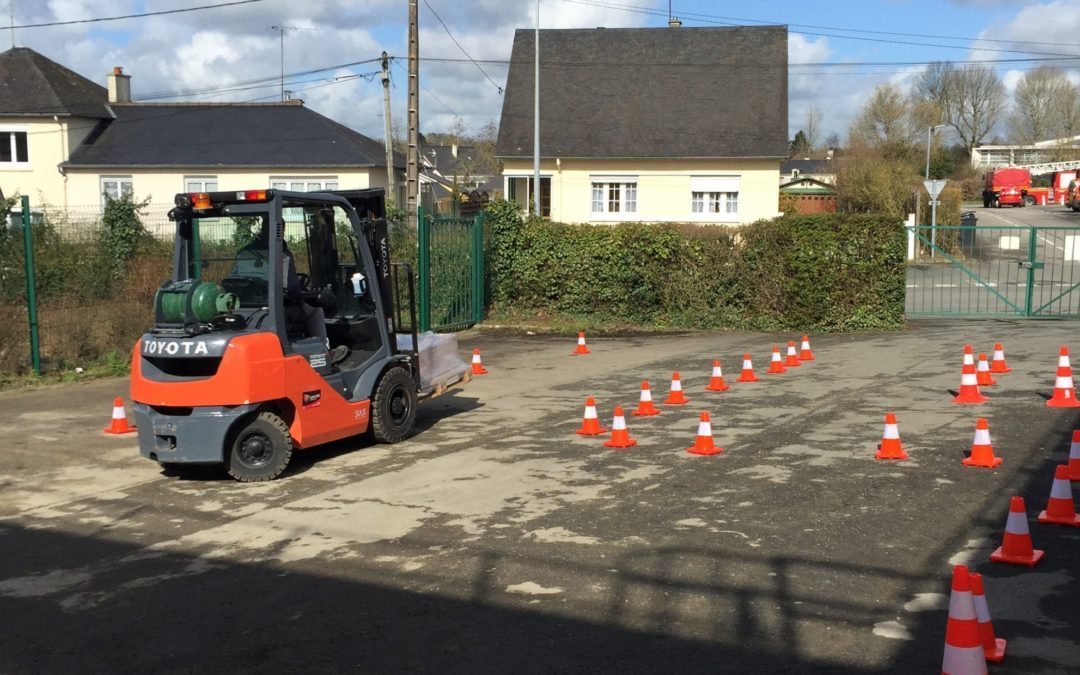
column 440, row 364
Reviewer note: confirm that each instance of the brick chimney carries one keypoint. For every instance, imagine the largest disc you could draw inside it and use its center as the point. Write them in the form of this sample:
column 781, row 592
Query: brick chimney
column 119, row 86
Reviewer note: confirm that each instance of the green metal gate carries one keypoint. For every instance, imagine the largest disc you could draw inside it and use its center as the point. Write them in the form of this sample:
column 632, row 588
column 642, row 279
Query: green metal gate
column 970, row 270
column 451, row 272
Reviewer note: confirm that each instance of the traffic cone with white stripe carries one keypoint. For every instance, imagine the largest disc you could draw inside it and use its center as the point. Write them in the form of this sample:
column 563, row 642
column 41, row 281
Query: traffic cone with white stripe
column 792, row 360
column 477, row 365
column 581, row 348
column 969, row 385
column 998, row 365
column 119, row 423
column 1016, row 547
column 964, row 654
column 1064, row 392
column 676, row 395
column 1060, row 510
column 993, row 646
column 1074, row 456
column 590, row 425
column 645, row 405
column 969, row 356
column 890, row 447
column 982, row 372
column 804, row 350
column 982, row 452
column 776, row 365
column 703, row 444
column 716, row 382
column 620, row 436
column 747, row 374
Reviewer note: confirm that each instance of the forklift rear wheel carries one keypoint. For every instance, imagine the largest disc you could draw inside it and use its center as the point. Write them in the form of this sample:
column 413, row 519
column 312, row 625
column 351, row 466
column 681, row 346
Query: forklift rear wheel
column 393, row 408
column 260, row 449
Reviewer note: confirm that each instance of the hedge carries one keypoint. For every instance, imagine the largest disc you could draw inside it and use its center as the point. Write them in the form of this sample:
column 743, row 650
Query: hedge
column 826, row 272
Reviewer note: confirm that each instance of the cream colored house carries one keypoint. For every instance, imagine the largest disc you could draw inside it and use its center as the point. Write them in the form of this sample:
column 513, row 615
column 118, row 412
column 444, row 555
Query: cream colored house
column 79, row 143
column 649, row 124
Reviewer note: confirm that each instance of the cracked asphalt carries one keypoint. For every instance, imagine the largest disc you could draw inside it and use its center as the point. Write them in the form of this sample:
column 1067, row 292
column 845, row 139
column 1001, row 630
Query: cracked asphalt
column 496, row 540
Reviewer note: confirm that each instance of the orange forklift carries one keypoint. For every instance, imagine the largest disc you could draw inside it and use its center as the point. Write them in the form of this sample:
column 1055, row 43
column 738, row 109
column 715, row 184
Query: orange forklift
column 284, row 326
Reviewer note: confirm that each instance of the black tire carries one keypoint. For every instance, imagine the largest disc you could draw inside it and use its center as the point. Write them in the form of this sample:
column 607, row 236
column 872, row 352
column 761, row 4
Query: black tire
column 995, row 204
column 1029, row 201
column 986, row 202
column 260, row 450
column 1075, row 208
column 393, row 407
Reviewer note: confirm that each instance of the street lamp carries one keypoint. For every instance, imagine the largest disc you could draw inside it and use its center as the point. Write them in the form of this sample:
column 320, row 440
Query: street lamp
column 933, row 199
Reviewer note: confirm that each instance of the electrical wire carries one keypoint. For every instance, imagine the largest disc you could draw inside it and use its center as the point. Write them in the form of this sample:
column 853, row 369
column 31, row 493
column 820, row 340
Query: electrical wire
column 134, row 16
column 447, row 29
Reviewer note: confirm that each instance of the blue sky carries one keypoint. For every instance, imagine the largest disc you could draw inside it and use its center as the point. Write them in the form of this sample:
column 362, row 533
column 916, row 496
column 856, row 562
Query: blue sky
column 211, row 50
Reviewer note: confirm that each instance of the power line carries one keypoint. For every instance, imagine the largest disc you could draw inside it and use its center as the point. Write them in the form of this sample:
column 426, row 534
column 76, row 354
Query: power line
column 136, row 16
column 822, row 64
column 447, row 29
column 442, row 102
column 712, row 19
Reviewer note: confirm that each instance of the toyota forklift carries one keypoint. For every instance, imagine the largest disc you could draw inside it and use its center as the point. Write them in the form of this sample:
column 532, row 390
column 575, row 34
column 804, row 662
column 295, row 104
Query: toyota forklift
column 284, row 326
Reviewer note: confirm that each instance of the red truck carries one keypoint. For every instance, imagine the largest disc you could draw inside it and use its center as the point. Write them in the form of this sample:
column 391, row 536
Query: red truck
column 1006, row 186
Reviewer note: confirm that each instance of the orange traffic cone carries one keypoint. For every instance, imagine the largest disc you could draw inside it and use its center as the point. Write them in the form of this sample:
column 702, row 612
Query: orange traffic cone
column 982, row 373
column 747, row 374
column 804, row 350
column 645, row 405
column 964, row 653
column 792, row 358
column 590, row 426
column 998, row 365
column 969, row 356
column 703, row 444
column 716, row 382
column 675, row 395
column 969, row 386
column 982, row 453
column 1064, row 393
column 993, row 646
column 477, row 365
column 119, row 423
column 891, row 447
column 1016, row 547
column 620, row 437
column 776, row 365
column 1060, row 509
column 581, row 348
column 1074, row 456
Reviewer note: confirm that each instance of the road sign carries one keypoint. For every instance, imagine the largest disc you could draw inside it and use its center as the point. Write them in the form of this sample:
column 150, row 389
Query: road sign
column 935, row 202
column 934, row 187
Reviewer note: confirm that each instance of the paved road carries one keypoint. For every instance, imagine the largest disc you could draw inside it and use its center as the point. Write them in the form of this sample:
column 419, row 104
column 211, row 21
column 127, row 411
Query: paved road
column 496, row 540
column 988, row 279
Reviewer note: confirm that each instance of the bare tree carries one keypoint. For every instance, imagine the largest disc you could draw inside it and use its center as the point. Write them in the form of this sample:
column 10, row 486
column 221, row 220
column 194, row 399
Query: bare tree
column 812, row 126
column 975, row 100
column 885, row 122
column 930, row 95
column 1037, row 104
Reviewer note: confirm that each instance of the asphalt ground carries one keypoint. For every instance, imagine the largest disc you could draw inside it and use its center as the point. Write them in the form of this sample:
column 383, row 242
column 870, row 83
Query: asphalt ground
column 497, row 540
column 990, row 280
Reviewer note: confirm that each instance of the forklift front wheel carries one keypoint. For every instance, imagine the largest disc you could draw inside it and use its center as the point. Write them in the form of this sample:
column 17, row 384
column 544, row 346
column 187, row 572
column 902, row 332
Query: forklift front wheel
column 260, row 450
column 393, row 408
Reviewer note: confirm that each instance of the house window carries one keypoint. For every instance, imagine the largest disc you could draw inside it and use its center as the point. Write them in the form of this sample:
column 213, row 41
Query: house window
column 117, row 187
column 519, row 189
column 713, row 195
column 200, row 184
column 614, row 195
column 304, row 183
column 13, row 152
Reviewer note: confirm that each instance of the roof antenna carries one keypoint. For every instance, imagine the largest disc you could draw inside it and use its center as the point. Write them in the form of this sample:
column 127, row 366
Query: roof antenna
column 11, row 11
column 281, row 29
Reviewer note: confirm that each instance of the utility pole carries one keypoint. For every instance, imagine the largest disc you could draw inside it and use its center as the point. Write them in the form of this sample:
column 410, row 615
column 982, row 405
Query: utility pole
column 412, row 177
column 391, row 183
column 11, row 11
column 536, row 120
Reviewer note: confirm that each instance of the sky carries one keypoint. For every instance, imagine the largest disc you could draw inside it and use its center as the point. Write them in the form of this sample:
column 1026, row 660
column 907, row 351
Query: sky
column 838, row 50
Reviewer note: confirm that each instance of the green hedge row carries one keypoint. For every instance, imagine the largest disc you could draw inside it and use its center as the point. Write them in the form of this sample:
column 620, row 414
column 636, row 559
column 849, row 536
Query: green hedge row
column 829, row 272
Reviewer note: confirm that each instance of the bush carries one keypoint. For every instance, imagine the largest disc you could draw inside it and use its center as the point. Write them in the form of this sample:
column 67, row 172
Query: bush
column 818, row 272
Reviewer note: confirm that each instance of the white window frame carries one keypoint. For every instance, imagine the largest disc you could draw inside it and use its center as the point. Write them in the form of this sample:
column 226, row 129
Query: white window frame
column 15, row 163
column 715, row 198
column 613, row 197
column 201, row 183
column 120, row 181
column 304, row 183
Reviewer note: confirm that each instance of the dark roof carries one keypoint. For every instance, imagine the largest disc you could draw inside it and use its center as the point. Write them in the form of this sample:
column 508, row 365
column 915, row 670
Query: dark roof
column 33, row 85
column 468, row 157
column 225, row 135
column 820, row 166
column 649, row 92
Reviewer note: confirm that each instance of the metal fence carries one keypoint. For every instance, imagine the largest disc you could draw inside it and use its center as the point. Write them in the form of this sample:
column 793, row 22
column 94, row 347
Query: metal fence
column 1025, row 271
column 451, row 272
